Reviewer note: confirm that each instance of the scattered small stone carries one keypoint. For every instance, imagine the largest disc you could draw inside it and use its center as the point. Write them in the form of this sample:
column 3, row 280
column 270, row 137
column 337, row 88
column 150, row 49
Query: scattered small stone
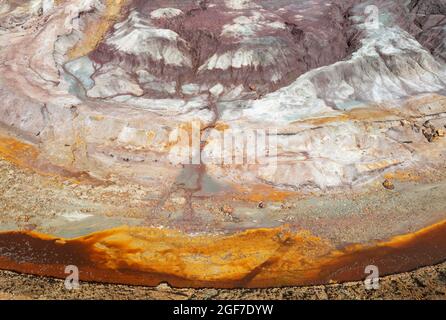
column 210, row 293
column 29, row 227
column 429, row 125
column 163, row 286
column 431, row 133
column 26, row 218
column 388, row 185
column 261, row 205
column 179, row 200
column 428, row 135
column 405, row 123
column 416, row 127
column 284, row 237
column 286, row 206
column 227, row 209
column 252, row 87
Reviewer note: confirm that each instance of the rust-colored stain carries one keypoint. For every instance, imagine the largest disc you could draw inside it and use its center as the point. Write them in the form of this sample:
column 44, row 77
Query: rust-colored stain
column 400, row 254
column 415, row 102
column 27, row 156
column 96, row 31
column 374, row 112
column 261, row 192
column 253, row 258
column 401, row 175
column 358, row 114
column 19, row 153
column 221, row 126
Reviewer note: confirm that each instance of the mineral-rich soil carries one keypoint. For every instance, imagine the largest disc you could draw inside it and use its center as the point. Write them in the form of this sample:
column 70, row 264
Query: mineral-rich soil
column 222, row 143
column 299, row 243
column 425, row 283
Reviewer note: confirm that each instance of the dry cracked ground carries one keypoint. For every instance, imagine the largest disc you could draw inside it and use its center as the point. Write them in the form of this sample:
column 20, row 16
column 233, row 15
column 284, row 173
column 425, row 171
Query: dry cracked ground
column 223, row 144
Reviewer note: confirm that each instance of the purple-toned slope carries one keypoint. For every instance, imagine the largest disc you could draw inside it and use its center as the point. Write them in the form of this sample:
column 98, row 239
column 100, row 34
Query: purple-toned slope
column 262, row 45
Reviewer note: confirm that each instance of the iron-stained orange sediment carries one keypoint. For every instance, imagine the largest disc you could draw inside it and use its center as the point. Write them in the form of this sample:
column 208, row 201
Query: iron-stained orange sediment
column 95, row 32
column 253, row 258
column 25, row 155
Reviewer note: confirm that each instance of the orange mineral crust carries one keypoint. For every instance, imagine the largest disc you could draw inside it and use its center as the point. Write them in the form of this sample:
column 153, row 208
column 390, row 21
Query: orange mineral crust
column 96, row 31
column 253, row 258
column 28, row 156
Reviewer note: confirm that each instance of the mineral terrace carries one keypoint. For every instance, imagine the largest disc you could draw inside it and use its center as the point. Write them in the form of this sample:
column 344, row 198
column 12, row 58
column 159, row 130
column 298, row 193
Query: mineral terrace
column 222, row 143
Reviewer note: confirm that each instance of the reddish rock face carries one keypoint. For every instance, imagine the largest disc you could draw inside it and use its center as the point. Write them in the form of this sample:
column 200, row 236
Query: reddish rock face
column 431, row 21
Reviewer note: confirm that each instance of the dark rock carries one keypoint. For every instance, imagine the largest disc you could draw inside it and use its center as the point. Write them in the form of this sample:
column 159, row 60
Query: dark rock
column 388, row 185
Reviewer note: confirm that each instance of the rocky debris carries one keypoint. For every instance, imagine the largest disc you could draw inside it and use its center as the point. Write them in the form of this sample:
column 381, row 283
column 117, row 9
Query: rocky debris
column 227, row 209
column 431, row 133
column 286, row 205
column 388, row 185
column 424, row 283
column 179, row 200
column 337, row 91
column 428, row 7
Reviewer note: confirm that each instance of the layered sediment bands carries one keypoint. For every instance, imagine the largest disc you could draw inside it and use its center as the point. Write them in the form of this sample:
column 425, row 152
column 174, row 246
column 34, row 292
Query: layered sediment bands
column 255, row 258
column 27, row 156
column 199, row 45
column 431, row 19
column 151, row 68
column 98, row 90
column 95, row 29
